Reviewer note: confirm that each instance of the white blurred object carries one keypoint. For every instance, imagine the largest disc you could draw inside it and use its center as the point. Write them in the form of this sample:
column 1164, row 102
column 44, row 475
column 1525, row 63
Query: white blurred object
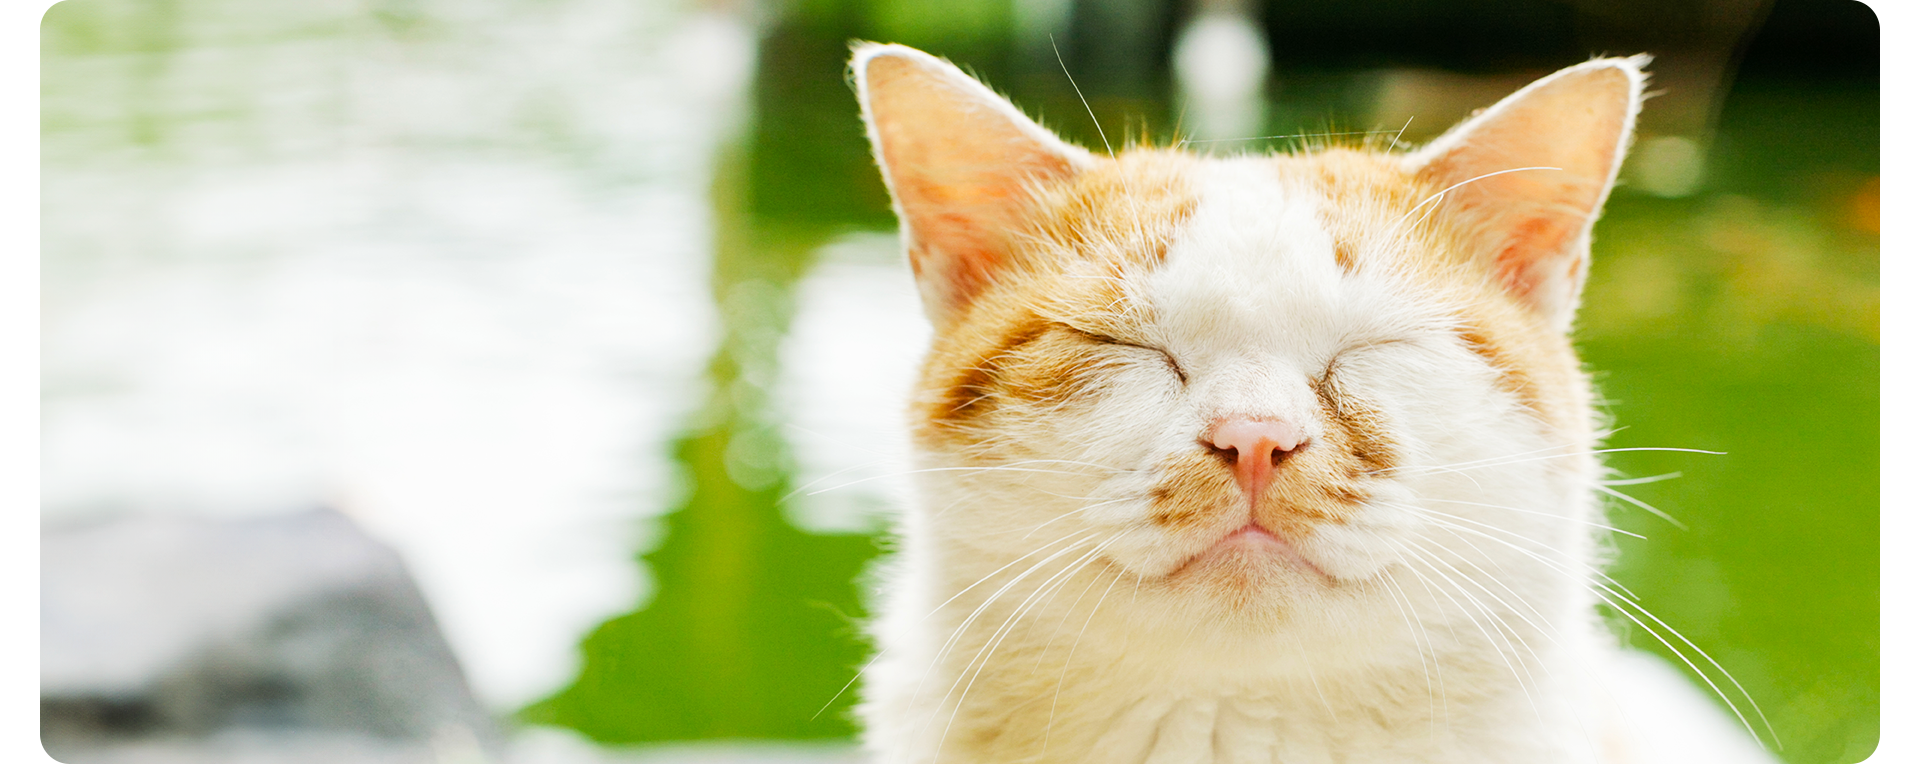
column 1220, row 62
column 1036, row 21
column 857, row 309
column 445, row 268
column 1668, row 166
column 1675, row 722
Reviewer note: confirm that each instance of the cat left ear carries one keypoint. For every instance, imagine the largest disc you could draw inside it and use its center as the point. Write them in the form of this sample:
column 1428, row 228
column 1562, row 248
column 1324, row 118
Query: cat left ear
column 961, row 163
column 1535, row 224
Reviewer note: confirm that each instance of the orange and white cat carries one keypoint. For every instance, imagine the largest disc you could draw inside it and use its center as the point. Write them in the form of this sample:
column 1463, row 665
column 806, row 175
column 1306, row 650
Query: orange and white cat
column 1254, row 459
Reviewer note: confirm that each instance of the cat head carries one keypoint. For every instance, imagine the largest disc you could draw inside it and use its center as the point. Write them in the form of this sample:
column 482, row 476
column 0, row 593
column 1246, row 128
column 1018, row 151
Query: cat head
column 1256, row 383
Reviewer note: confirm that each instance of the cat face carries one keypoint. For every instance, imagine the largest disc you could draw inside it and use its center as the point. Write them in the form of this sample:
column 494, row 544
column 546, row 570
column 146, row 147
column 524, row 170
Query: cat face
column 1264, row 388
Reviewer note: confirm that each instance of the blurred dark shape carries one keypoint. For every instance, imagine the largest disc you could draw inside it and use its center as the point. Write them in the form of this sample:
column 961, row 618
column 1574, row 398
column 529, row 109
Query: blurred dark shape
column 1120, row 47
column 286, row 638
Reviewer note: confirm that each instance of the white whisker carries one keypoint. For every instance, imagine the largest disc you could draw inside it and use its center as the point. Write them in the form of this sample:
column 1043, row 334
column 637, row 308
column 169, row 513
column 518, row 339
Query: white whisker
column 990, row 468
column 1601, row 526
column 1415, row 556
column 1083, row 96
column 1433, row 514
column 1070, row 653
column 1702, row 653
column 1403, row 131
column 993, row 641
column 1643, row 505
column 996, row 572
column 982, row 608
column 1696, row 669
column 1302, row 135
column 1641, row 480
column 1443, row 192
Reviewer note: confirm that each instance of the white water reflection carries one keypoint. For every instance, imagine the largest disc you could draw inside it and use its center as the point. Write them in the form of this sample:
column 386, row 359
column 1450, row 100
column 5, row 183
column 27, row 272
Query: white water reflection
column 441, row 264
column 1220, row 62
column 858, row 311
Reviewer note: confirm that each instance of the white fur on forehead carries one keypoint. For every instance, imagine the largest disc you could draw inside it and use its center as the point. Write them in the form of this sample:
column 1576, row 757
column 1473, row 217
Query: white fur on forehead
column 1254, row 270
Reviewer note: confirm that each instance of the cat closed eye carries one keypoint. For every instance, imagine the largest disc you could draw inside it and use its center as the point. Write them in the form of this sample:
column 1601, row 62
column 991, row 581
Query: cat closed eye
column 1173, row 364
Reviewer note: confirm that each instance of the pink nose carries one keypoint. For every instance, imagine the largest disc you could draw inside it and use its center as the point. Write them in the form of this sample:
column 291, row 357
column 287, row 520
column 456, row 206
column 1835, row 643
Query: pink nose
column 1256, row 448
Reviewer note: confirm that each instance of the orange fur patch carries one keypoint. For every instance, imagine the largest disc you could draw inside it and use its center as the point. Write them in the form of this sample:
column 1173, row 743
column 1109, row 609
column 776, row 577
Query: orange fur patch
column 1124, row 212
column 1030, row 337
column 1196, row 489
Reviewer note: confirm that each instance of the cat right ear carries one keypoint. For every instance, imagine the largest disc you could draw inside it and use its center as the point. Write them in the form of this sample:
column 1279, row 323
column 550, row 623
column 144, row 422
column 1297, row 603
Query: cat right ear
column 1532, row 172
column 961, row 163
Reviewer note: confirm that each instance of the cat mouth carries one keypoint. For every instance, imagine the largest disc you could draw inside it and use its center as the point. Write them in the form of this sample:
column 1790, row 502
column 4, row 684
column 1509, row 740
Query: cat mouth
column 1252, row 545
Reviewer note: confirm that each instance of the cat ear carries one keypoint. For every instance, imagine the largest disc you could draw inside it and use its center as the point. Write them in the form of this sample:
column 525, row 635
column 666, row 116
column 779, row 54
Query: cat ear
column 961, row 163
column 1535, row 224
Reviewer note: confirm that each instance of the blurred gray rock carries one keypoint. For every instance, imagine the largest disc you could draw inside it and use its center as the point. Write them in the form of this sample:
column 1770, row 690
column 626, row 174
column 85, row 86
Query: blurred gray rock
column 288, row 638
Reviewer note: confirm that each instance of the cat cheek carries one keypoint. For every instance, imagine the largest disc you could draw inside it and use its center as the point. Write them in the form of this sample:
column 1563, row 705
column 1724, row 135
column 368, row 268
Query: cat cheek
column 1362, row 548
column 1195, row 494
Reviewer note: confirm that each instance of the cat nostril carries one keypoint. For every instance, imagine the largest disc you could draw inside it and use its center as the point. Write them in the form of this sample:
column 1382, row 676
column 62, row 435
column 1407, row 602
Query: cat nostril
column 1253, row 449
column 1229, row 453
column 1271, row 439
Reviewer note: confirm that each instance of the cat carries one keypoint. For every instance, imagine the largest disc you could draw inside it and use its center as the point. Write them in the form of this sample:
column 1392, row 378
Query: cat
column 1264, row 458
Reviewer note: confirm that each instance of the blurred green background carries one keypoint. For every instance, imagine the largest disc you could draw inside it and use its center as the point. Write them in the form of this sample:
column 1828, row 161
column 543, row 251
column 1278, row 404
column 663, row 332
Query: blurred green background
column 1737, row 313
column 1733, row 306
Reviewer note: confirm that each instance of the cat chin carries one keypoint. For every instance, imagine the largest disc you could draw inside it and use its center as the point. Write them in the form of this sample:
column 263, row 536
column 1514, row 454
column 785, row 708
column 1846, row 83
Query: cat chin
column 1250, row 571
column 1252, row 550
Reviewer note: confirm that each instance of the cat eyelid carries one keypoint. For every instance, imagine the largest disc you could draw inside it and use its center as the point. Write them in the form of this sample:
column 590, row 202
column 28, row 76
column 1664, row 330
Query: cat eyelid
column 1110, row 340
column 1356, row 346
column 1105, row 339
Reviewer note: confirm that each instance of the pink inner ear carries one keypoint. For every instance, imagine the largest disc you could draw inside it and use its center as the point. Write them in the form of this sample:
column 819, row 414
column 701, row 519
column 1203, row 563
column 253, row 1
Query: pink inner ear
column 965, row 261
column 1533, row 241
column 960, row 161
column 1535, row 223
column 961, row 204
